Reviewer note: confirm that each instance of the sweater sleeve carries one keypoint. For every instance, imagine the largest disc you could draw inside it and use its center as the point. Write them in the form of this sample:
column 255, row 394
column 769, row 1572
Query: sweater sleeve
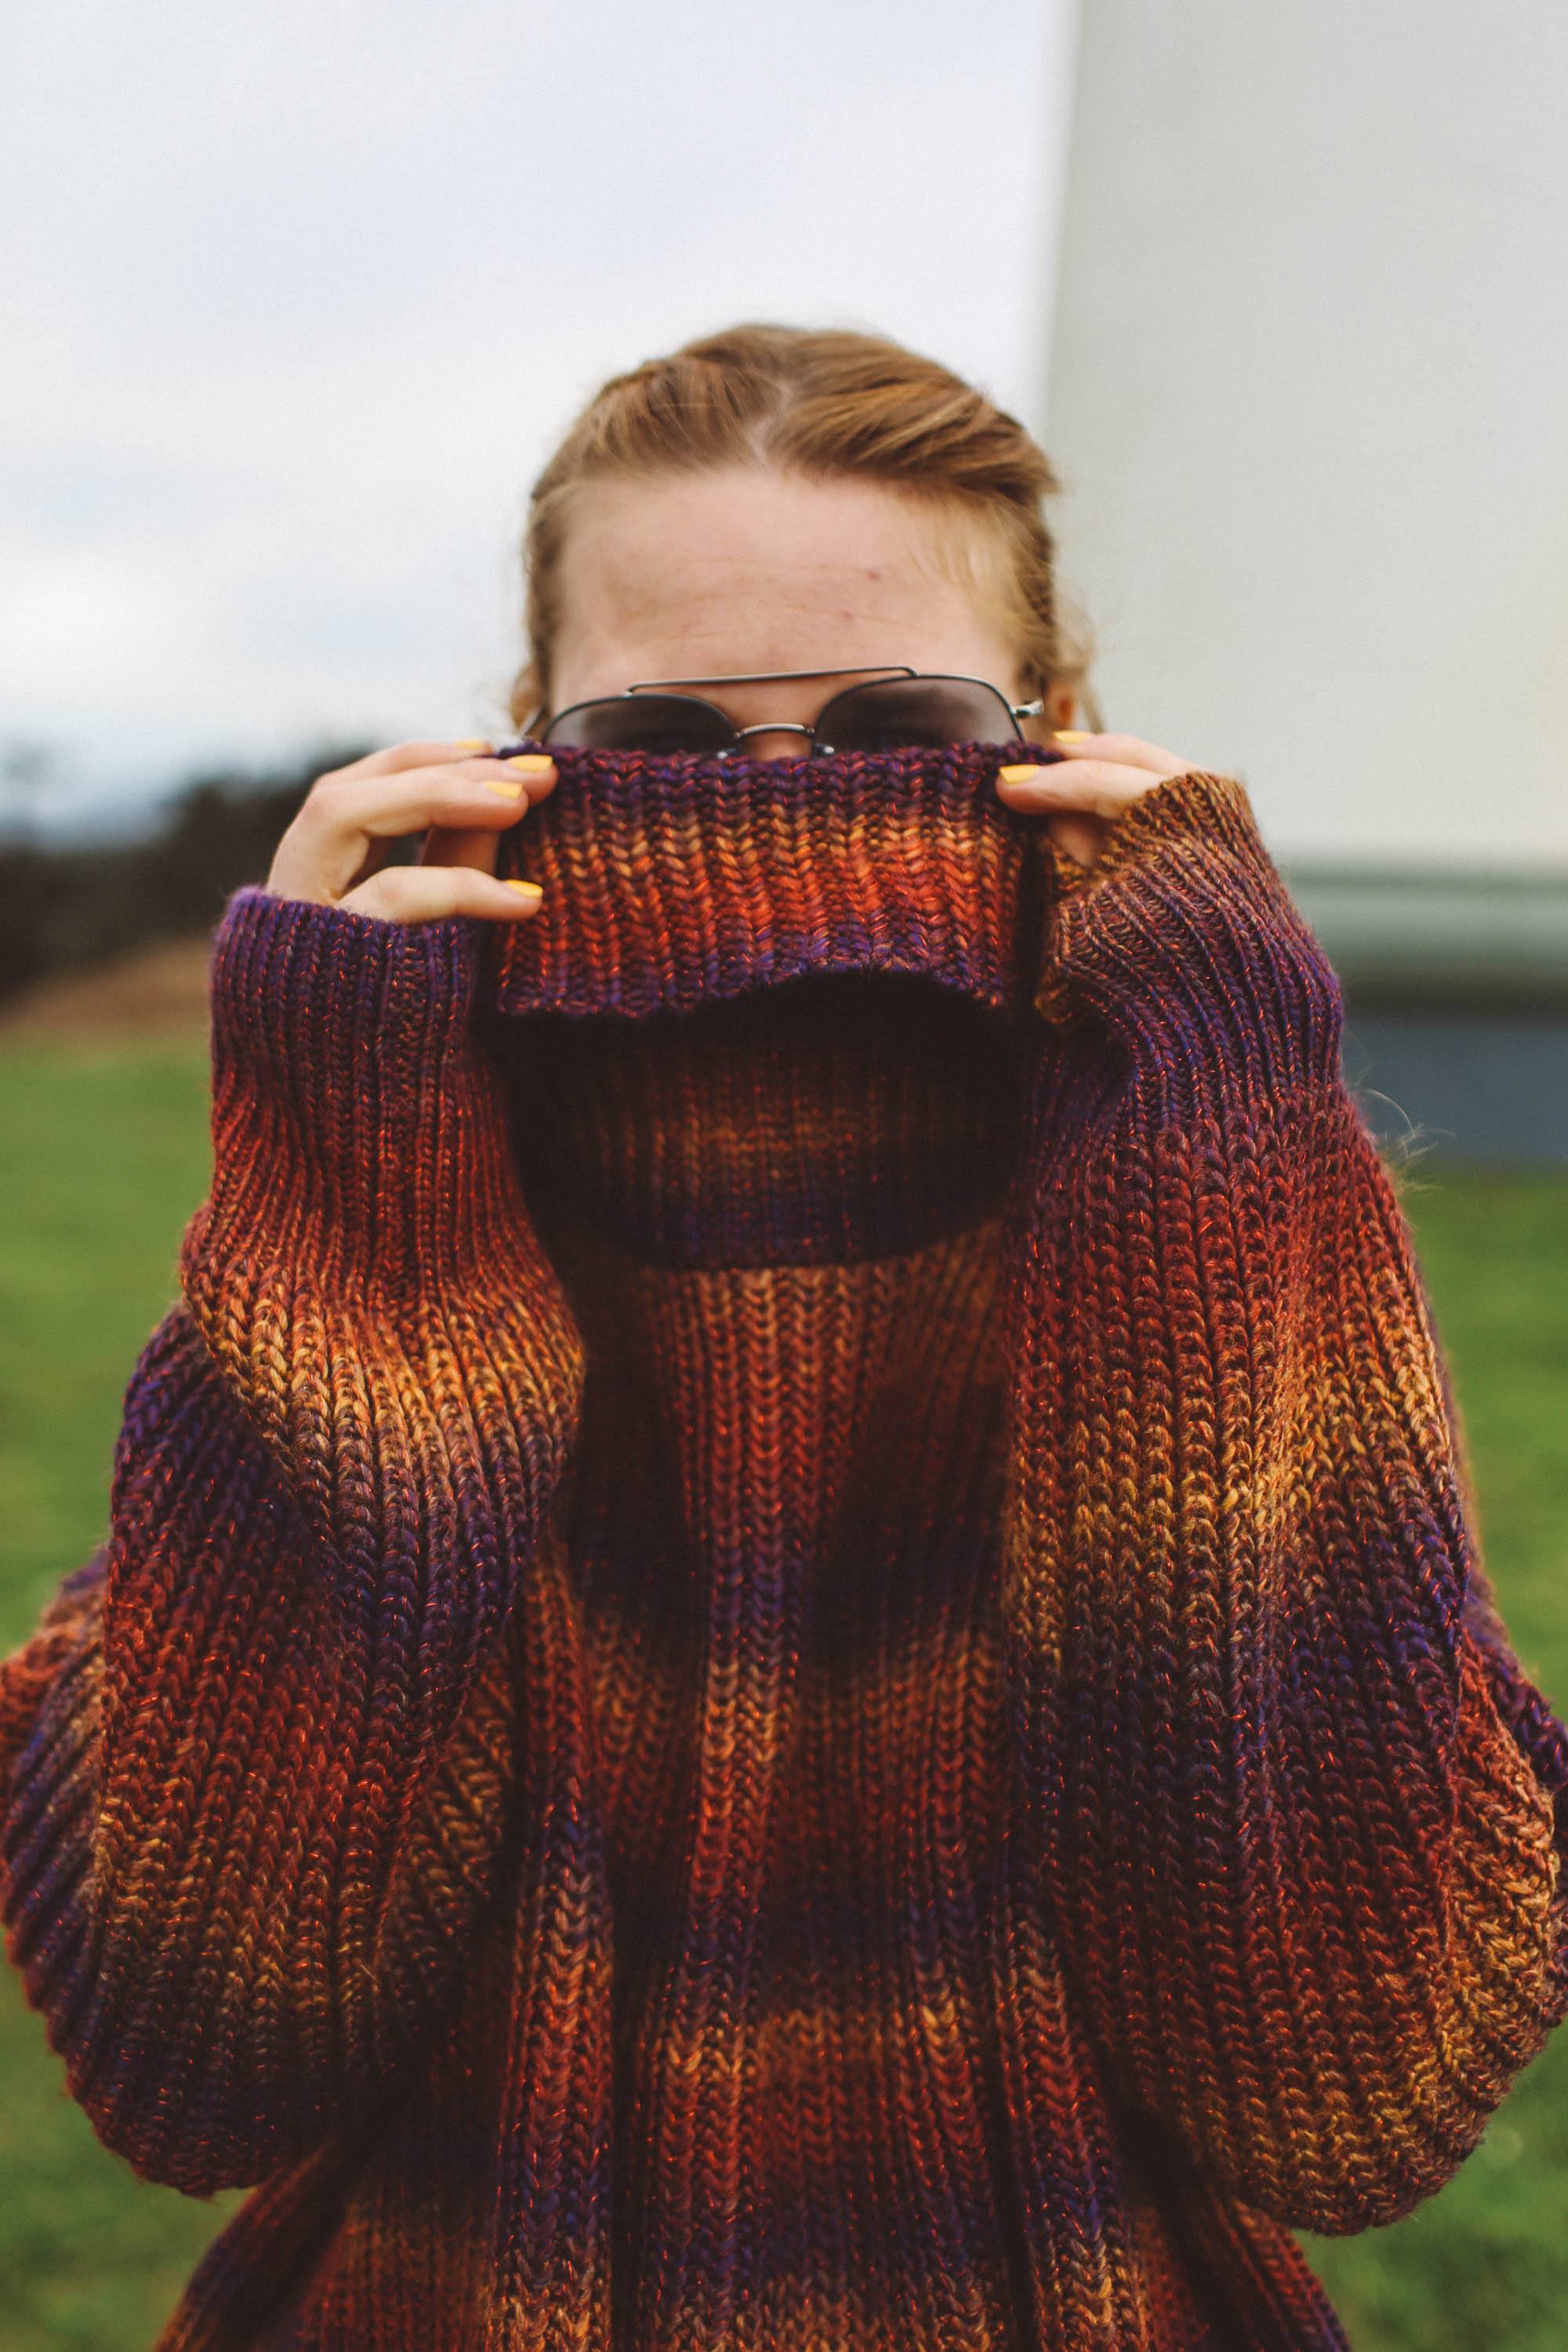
column 257, row 1757
column 1300, row 1814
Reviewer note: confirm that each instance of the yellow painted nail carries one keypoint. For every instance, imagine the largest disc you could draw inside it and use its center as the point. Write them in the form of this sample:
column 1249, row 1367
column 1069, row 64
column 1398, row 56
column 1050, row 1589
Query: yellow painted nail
column 1070, row 734
column 533, row 763
column 526, row 889
column 473, row 743
column 1029, row 772
column 499, row 785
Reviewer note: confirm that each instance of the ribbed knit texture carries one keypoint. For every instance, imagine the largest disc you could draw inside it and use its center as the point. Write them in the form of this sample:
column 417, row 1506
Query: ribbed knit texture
column 793, row 1656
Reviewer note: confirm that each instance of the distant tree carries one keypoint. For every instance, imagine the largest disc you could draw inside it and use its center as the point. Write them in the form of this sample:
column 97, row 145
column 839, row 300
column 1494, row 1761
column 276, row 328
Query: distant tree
column 64, row 906
column 28, row 887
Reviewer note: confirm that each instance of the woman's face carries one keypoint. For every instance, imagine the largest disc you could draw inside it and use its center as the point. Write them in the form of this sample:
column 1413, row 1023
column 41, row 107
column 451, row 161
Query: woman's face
column 748, row 569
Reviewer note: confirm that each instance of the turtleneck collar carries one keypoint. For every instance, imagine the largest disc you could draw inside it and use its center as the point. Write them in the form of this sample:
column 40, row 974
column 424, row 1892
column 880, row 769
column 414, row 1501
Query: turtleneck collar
column 775, row 1011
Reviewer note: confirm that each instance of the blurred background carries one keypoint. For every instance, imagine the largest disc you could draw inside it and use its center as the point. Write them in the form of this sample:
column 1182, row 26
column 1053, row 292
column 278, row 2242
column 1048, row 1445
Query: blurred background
column 299, row 300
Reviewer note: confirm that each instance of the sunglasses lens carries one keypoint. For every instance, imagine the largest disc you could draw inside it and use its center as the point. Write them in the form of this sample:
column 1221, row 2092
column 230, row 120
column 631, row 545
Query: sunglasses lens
column 642, row 722
column 888, row 714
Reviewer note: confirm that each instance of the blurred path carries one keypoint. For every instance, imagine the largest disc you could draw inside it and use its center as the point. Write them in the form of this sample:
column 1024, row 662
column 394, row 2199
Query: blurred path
column 157, row 992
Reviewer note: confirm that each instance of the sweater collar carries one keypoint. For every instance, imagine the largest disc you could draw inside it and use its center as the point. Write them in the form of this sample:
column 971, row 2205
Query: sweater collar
column 735, row 1055
column 669, row 882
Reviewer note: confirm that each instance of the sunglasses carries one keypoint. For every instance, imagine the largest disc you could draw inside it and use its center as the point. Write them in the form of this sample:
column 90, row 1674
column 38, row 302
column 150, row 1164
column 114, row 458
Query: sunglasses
column 886, row 713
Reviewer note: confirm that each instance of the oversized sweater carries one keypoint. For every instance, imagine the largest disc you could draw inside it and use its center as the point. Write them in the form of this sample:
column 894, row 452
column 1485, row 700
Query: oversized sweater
column 792, row 1656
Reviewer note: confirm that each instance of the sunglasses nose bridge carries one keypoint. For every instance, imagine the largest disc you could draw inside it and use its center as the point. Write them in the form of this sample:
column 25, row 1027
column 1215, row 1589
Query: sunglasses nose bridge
column 773, row 727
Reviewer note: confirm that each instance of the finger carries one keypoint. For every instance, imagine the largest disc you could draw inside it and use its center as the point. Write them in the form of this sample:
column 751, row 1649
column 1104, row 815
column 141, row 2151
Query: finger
column 461, row 845
column 473, row 794
column 1123, row 751
column 425, row 894
column 431, row 753
column 1095, row 787
column 332, row 844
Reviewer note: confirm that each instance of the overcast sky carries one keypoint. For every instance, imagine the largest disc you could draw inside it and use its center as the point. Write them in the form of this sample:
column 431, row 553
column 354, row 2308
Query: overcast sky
column 300, row 296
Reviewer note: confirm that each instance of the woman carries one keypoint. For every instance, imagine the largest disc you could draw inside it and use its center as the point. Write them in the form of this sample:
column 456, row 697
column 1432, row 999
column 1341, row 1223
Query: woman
column 792, row 1652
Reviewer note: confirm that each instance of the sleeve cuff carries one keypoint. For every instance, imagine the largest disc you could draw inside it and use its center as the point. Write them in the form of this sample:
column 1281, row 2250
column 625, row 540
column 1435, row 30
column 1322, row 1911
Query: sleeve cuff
column 1184, row 940
column 326, row 1008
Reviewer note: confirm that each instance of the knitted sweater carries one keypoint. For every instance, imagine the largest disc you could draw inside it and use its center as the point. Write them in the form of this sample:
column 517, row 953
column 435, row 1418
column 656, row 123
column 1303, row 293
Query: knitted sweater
column 792, row 1656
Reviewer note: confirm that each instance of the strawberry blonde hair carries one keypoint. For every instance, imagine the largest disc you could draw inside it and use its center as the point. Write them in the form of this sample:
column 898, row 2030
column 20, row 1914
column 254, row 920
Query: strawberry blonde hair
column 827, row 402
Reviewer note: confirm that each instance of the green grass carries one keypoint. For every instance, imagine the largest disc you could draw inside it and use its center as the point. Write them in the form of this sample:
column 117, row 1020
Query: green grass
column 103, row 1155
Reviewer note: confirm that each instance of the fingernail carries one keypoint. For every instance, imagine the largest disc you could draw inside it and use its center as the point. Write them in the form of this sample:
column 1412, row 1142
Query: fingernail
column 474, row 743
column 1070, row 734
column 529, row 890
column 499, row 785
column 533, row 763
column 1028, row 773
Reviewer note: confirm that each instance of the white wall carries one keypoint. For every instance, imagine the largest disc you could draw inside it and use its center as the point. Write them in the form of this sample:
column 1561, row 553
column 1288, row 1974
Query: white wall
column 1309, row 387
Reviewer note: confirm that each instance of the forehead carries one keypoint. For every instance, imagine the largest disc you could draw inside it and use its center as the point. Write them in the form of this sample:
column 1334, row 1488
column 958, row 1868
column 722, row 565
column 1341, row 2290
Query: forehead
column 767, row 563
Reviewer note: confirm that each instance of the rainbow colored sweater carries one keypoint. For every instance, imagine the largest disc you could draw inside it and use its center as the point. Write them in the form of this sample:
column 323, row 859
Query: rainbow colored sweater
column 792, row 1656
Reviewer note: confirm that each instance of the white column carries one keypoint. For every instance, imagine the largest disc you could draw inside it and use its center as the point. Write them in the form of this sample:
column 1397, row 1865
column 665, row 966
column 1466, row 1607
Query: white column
column 1309, row 390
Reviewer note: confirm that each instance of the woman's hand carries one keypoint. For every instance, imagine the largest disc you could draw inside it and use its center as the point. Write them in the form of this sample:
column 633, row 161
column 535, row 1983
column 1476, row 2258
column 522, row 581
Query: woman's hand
column 333, row 852
column 1100, row 776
